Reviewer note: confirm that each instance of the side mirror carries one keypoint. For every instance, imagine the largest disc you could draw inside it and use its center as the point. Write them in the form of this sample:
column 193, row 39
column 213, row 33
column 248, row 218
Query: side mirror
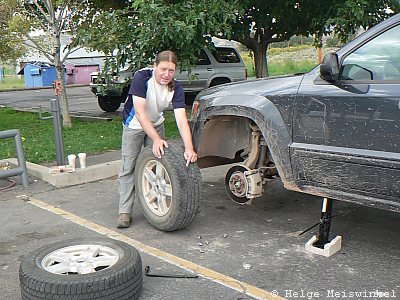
column 329, row 68
column 356, row 72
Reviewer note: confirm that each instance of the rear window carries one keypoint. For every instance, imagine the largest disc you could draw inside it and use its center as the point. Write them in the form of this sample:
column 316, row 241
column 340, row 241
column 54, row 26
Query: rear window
column 203, row 59
column 226, row 55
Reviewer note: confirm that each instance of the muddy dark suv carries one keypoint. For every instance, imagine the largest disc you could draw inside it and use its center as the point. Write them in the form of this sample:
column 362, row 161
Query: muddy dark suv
column 334, row 132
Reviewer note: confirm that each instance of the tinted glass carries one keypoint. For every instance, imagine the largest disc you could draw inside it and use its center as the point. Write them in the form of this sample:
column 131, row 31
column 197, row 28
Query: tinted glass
column 226, row 55
column 203, row 59
column 379, row 59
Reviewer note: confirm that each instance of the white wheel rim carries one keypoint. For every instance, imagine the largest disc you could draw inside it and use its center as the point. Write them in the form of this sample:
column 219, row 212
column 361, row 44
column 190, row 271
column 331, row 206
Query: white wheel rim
column 157, row 188
column 80, row 259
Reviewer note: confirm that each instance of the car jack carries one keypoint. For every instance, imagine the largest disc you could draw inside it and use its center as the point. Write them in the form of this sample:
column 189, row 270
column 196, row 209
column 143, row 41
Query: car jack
column 147, row 273
column 322, row 245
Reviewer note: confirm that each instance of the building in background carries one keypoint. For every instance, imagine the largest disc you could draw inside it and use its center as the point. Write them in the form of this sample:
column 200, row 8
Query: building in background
column 38, row 74
column 79, row 64
column 78, row 71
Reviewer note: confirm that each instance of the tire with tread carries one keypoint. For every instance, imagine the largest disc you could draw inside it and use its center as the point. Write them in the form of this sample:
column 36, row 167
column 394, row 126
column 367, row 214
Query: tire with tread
column 187, row 189
column 123, row 280
column 109, row 103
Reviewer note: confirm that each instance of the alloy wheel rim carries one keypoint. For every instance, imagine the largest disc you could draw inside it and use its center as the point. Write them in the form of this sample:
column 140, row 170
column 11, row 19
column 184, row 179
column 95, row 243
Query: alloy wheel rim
column 80, row 259
column 157, row 188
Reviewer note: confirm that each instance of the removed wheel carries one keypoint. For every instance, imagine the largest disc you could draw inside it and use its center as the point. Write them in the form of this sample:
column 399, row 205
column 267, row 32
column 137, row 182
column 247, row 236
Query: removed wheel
column 84, row 268
column 169, row 192
column 108, row 103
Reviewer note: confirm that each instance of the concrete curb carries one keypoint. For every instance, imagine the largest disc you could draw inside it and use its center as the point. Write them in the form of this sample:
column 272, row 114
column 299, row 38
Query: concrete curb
column 80, row 176
column 42, row 88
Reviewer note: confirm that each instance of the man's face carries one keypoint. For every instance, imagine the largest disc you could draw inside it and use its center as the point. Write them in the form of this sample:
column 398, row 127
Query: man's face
column 164, row 72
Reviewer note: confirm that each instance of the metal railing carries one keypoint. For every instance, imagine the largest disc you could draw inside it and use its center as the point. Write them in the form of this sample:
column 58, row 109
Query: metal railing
column 21, row 169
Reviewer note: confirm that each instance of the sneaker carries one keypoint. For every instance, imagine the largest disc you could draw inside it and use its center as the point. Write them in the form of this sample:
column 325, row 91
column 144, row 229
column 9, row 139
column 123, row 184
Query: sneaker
column 124, row 220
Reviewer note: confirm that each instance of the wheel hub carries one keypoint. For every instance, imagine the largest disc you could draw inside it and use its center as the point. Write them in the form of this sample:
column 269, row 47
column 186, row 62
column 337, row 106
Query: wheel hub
column 236, row 184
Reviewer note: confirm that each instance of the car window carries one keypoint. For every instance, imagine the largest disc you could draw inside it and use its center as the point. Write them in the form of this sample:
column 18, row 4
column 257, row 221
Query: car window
column 203, row 59
column 379, row 59
column 226, row 55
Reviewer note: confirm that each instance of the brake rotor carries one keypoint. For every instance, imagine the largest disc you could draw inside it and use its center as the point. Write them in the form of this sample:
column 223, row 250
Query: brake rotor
column 236, row 184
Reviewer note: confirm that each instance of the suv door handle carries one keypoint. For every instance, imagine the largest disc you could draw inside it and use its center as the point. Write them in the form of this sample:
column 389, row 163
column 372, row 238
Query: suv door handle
column 209, row 69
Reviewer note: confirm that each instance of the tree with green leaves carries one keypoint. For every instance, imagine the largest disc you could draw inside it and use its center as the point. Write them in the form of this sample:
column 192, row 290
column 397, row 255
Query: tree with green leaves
column 133, row 33
column 11, row 45
column 349, row 15
column 265, row 22
column 39, row 24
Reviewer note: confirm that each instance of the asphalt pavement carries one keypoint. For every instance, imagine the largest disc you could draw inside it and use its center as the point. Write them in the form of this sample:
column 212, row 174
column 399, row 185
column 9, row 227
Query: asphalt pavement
column 81, row 101
column 240, row 252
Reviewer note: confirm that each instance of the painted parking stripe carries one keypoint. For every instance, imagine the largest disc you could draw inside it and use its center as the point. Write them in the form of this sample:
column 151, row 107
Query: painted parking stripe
column 219, row 278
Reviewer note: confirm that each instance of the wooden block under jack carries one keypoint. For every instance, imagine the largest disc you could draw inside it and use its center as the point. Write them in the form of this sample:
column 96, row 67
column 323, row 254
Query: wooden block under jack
column 329, row 248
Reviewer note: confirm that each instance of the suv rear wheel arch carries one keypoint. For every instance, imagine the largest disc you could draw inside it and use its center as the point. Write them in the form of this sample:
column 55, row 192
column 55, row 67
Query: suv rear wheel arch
column 219, row 80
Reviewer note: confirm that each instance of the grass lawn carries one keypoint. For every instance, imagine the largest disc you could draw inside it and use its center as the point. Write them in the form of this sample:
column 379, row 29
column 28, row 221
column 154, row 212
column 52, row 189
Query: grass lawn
column 282, row 61
column 84, row 136
column 12, row 82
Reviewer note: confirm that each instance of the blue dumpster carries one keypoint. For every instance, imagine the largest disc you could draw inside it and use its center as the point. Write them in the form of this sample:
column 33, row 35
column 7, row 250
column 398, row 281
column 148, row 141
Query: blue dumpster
column 39, row 74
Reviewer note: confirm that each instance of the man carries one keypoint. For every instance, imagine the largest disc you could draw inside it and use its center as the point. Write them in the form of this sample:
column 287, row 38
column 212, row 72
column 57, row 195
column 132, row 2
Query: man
column 151, row 92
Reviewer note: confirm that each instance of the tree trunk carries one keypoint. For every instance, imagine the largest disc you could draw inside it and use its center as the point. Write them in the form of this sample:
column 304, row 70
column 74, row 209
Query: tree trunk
column 320, row 54
column 259, row 49
column 260, row 61
column 60, row 77
column 63, row 97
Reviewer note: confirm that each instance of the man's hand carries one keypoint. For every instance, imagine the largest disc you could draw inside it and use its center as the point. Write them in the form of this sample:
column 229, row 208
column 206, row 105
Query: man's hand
column 182, row 122
column 190, row 156
column 158, row 147
column 143, row 118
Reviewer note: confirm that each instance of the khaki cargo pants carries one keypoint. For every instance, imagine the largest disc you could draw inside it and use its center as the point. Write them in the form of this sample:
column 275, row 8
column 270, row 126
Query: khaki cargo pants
column 132, row 142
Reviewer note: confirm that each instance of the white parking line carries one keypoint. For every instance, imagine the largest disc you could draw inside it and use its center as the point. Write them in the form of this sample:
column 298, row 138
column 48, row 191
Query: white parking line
column 219, row 278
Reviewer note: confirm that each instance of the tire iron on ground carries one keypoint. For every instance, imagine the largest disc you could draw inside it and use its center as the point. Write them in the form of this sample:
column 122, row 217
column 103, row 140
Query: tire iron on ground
column 147, row 273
